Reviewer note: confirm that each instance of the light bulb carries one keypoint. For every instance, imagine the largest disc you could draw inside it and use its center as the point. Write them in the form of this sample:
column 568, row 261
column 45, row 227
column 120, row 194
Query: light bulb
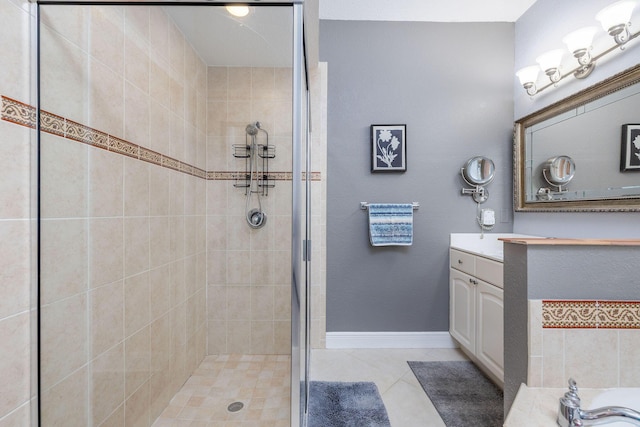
column 239, row 11
column 528, row 77
column 550, row 63
column 580, row 39
column 615, row 19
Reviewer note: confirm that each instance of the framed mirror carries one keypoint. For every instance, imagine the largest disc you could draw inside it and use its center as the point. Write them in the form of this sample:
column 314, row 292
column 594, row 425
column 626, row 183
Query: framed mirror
column 591, row 127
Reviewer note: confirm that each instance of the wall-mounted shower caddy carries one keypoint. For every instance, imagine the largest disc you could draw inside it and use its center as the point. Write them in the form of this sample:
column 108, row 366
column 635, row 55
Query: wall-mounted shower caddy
column 256, row 178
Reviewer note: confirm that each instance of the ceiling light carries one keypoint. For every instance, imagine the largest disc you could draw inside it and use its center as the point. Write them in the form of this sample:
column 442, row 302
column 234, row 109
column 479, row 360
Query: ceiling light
column 238, row 11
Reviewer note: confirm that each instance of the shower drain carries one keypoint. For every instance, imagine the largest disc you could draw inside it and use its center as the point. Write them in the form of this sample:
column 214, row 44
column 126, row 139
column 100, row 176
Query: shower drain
column 235, row 406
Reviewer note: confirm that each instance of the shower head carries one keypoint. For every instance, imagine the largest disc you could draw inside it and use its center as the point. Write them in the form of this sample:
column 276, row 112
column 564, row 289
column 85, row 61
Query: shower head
column 252, row 128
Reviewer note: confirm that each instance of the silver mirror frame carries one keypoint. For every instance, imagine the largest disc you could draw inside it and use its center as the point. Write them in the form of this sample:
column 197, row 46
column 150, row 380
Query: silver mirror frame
column 619, row 81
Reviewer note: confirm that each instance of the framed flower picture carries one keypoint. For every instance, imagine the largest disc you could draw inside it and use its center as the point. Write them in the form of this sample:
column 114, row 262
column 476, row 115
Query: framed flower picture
column 630, row 154
column 388, row 148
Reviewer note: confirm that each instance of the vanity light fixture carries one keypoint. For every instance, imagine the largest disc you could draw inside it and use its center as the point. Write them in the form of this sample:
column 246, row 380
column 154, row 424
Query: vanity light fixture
column 550, row 63
column 528, row 77
column 579, row 44
column 238, row 10
column 615, row 20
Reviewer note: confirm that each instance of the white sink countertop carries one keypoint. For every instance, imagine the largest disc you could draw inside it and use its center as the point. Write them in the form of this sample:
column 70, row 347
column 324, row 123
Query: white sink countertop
column 483, row 244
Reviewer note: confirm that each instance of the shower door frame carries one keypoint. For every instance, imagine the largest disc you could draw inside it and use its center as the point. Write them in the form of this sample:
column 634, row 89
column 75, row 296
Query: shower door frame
column 301, row 215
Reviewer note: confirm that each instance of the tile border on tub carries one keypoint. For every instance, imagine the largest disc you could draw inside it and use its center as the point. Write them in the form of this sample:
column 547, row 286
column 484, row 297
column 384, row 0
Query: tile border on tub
column 590, row 314
column 22, row 114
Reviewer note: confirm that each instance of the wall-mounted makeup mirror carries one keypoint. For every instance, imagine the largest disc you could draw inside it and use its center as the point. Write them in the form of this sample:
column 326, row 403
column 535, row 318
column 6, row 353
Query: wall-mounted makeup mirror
column 588, row 127
column 478, row 172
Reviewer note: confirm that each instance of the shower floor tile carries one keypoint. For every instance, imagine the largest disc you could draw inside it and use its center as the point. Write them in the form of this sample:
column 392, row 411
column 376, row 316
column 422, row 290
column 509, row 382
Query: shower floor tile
column 260, row 382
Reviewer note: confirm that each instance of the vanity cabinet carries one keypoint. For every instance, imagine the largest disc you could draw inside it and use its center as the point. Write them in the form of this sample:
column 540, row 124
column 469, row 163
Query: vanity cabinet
column 476, row 309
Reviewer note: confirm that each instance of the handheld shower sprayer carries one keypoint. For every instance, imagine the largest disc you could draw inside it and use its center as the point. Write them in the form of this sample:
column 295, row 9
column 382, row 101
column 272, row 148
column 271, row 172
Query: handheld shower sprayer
column 256, row 218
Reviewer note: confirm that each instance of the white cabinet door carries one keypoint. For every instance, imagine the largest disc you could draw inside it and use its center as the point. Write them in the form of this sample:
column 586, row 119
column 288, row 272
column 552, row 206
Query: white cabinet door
column 490, row 339
column 462, row 315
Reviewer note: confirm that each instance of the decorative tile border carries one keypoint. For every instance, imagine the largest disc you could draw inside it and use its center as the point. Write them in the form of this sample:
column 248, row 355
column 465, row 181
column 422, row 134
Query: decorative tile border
column 591, row 314
column 25, row 115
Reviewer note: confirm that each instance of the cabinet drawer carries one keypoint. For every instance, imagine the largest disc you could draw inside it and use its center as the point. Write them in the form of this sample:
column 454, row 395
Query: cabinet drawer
column 489, row 271
column 463, row 261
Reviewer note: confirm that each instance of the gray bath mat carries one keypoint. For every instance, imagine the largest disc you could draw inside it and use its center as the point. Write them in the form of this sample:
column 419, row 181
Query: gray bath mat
column 340, row 404
column 461, row 393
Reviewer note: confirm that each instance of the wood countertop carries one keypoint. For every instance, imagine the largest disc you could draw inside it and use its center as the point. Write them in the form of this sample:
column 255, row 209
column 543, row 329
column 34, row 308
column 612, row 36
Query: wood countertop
column 551, row 241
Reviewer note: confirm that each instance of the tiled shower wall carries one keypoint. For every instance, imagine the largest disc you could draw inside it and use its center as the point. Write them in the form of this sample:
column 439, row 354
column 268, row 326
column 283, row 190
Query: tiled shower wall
column 16, row 210
column 123, row 231
column 595, row 342
column 249, row 270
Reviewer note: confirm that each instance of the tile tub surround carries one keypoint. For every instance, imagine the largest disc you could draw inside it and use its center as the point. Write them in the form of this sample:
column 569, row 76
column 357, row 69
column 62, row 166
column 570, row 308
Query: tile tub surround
column 595, row 342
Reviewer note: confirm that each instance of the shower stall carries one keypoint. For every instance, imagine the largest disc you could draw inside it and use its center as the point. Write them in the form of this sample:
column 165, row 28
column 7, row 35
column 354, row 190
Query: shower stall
column 153, row 264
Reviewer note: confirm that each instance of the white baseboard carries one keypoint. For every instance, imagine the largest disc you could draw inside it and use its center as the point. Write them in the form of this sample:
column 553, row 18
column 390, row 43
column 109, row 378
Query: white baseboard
column 390, row 340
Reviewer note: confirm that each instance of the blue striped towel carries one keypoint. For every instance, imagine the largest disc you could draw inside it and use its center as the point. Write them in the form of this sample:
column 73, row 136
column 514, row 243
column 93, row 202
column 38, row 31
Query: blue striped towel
column 391, row 224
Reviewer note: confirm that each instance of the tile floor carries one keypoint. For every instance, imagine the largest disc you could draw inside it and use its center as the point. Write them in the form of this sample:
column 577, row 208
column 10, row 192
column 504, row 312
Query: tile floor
column 261, row 383
column 406, row 402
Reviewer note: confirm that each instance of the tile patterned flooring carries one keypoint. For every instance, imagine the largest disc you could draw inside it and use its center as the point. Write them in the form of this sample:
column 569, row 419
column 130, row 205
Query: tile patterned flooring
column 261, row 383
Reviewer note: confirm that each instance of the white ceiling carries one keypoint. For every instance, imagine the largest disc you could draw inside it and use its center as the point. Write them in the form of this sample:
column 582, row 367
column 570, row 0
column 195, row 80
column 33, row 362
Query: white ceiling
column 425, row 10
column 263, row 38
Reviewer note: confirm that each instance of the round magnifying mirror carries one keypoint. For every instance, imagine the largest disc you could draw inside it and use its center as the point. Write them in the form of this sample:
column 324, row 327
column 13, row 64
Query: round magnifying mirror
column 479, row 170
column 559, row 170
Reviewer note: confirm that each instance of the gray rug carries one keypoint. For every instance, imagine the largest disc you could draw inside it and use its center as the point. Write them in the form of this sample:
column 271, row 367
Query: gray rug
column 461, row 393
column 340, row 404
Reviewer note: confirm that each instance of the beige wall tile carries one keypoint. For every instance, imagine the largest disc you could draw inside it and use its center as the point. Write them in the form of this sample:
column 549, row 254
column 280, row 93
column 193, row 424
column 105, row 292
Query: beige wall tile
column 137, row 408
column 238, row 271
column 217, row 82
column 159, row 128
column 262, row 303
column 535, row 328
column 66, row 403
column 64, row 341
column 19, row 417
column 15, row 356
column 15, row 162
column 160, row 291
column 107, row 316
column 64, row 164
column 106, row 99
column 105, row 183
column 136, row 120
column 217, row 337
column 106, row 40
column 14, row 267
column 136, row 303
column 159, row 191
column 238, row 336
column 159, row 31
column 106, row 251
column 136, row 245
column 136, row 19
column 629, row 358
column 136, row 187
column 553, row 342
column 137, row 361
column 159, row 82
column 107, row 383
column 68, row 21
column 63, row 258
column 159, row 241
column 597, row 369
column 238, row 303
column 63, row 78
column 116, row 419
column 160, row 345
column 262, row 337
column 239, row 81
column 177, row 233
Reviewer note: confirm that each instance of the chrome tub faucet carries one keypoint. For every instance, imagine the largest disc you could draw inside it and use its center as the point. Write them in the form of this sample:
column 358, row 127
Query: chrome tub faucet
column 570, row 414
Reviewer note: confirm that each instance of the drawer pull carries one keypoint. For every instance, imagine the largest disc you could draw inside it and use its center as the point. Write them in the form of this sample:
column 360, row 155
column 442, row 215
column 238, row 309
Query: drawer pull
column 475, row 282
column 459, row 261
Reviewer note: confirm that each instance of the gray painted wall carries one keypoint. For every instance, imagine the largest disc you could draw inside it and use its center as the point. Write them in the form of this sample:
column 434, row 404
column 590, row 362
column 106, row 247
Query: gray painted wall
column 451, row 84
column 541, row 29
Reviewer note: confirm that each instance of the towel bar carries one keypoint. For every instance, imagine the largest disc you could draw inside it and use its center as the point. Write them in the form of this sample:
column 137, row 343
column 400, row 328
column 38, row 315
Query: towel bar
column 365, row 205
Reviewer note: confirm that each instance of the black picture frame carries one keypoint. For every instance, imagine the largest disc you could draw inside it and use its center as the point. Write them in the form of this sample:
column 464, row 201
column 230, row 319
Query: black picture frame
column 630, row 150
column 388, row 148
